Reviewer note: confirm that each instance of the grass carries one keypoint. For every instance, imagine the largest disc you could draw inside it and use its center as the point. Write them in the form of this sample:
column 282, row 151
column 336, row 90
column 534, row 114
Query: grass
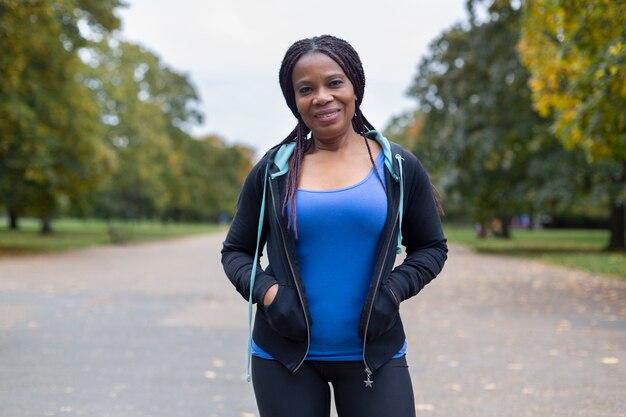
column 581, row 249
column 73, row 234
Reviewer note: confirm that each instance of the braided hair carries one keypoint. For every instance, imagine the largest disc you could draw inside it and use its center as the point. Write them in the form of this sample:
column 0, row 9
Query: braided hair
column 348, row 59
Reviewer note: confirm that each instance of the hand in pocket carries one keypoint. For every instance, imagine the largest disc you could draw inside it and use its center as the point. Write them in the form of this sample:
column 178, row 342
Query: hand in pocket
column 285, row 314
column 384, row 311
column 270, row 295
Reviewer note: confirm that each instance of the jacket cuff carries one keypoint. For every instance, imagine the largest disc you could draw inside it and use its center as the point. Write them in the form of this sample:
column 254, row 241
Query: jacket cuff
column 263, row 282
column 398, row 285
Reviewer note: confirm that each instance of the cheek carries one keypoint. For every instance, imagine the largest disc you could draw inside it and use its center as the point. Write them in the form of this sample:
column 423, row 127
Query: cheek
column 301, row 106
column 351, row 107
column 351, row 101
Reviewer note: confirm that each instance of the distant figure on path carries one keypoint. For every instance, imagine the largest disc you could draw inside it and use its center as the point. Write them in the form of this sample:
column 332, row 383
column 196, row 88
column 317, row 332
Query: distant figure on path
column 332, row 204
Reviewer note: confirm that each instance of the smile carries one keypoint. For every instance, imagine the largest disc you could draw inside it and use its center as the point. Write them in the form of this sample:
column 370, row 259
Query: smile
column 327, row 116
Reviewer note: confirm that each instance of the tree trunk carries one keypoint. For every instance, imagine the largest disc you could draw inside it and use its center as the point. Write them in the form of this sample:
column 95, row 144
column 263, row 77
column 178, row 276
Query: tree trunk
column 46, row 226
column 481, row 230
column 13, row 223
column 505, row 229
column 617, row 227
column 617, row 215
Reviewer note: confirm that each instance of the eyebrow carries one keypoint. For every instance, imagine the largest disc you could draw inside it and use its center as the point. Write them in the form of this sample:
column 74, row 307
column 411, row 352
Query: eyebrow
column 329, row 76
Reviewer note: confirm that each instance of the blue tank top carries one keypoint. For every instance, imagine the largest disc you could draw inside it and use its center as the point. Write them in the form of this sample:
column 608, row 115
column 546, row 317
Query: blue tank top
column 338, row 234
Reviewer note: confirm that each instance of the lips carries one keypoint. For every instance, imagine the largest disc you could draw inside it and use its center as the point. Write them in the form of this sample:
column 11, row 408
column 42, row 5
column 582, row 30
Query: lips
column 327, row 116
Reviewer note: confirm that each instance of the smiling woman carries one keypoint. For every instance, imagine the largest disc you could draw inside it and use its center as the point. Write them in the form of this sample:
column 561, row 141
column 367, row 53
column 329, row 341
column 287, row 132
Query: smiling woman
column 323, row 82
column 332, row 204
column 326, row 103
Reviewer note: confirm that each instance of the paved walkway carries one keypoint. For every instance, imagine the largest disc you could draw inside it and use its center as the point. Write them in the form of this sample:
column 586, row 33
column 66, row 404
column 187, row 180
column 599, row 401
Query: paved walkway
column 157, row 330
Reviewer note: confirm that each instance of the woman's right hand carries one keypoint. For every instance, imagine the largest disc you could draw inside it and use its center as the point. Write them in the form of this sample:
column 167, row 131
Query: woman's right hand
column 270, row 294
column 283, row 312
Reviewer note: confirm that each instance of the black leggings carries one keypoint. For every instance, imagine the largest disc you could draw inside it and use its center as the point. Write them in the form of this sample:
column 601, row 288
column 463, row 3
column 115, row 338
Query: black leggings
column 306, row 393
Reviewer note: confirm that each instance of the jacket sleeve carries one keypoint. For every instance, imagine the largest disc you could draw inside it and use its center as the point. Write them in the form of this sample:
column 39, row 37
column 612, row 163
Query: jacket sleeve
column 240, row 244
column 422, row 234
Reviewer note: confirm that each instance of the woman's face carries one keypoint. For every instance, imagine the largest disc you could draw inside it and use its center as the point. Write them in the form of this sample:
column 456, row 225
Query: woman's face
column 324, row 95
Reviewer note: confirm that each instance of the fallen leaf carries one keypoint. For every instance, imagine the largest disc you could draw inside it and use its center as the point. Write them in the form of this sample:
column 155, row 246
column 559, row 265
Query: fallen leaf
column 515, row 366
column 564, row 326
column 424, row 407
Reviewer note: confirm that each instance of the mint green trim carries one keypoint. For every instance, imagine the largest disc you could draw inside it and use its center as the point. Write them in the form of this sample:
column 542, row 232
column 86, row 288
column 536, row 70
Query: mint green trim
column 253, row 273
column 386, row 147
column 281, row 160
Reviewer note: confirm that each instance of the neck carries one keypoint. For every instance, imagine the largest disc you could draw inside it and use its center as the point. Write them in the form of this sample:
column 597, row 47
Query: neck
column 338, row 143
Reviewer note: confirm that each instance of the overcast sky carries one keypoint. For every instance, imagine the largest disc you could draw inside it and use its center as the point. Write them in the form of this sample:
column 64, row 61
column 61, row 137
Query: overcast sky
column 232, row 49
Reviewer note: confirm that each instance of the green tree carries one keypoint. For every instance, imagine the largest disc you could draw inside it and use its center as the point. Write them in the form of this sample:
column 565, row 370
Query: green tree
column 161, row 170
column 405, row 128
column 50, row 150
column 147, row 109
column 480, row 133
column 207, row 179
column 576, row 54
column 126, row 79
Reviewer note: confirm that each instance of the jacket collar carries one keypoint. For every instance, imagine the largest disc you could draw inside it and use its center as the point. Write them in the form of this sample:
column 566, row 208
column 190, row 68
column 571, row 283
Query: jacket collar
column 284, row 152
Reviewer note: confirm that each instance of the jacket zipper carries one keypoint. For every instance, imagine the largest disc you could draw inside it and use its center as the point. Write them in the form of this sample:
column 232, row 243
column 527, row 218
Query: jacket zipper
column 368, row 372
column 393, row 294
column 293, row 274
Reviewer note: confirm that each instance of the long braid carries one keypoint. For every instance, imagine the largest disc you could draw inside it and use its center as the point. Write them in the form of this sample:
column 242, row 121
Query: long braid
column 295, row 165
column 359, row 123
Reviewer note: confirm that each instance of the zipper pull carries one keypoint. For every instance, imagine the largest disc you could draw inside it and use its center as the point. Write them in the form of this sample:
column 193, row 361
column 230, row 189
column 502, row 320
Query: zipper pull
column 368, row 381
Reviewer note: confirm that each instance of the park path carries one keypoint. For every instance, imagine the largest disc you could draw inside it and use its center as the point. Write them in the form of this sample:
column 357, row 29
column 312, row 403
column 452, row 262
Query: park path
column 157, row 330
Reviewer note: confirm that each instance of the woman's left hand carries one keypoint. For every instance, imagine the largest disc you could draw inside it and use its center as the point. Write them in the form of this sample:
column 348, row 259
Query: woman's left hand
column 384, row 312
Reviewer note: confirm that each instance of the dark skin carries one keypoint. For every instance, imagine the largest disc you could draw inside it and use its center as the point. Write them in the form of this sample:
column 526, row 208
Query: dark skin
column 326, row 102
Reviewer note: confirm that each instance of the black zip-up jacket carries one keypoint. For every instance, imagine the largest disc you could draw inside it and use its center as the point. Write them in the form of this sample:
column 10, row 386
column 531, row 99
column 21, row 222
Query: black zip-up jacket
column 283, row 328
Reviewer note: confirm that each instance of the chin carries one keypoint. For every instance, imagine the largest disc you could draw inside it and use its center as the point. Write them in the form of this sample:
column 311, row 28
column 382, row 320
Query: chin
column 330, row 132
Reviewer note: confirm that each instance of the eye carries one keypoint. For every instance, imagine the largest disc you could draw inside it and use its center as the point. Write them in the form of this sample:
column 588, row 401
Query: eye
column 304, row 90
column 336, row 83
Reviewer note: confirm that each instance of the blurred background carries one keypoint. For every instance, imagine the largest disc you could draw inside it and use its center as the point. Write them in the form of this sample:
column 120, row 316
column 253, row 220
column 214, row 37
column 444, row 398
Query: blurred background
column 128, row 120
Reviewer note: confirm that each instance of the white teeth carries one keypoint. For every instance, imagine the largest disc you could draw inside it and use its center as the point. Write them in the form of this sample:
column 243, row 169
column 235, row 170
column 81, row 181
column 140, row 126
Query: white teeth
column 327, row 115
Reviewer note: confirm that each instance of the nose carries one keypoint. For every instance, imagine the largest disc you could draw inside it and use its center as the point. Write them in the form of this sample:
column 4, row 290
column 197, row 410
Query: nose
column 322, row 97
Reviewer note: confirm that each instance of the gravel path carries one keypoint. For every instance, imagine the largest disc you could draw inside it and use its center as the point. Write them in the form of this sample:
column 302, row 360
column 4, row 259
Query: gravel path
column 157, row 330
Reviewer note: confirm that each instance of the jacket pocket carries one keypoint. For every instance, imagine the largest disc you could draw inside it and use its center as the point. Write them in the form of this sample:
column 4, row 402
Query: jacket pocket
column 285, row 314
column 384, row 312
